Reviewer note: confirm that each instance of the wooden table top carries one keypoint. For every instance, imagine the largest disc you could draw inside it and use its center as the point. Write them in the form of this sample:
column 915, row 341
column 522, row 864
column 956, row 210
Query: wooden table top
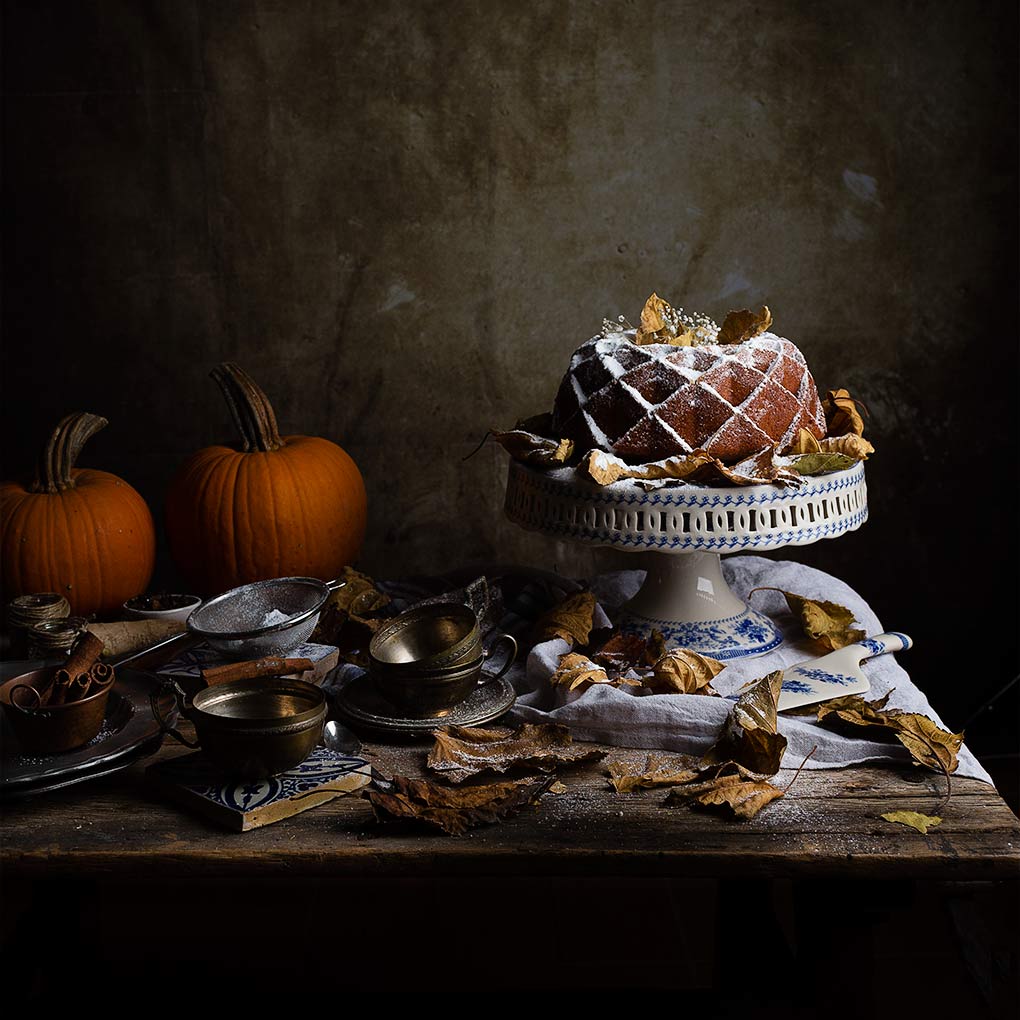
column 829, row 825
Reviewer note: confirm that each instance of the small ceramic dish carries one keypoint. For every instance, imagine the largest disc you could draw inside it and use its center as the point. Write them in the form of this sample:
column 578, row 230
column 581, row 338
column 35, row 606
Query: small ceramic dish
column 173, row 608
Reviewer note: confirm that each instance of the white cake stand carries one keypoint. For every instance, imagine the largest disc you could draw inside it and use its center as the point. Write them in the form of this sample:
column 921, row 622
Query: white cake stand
column 682, row 531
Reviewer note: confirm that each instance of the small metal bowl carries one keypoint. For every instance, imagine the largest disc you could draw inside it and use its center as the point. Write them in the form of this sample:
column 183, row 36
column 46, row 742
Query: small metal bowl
column 438, row 635
column 173, row 608
column 252, row 729
column 55, row 728
column 241, row 623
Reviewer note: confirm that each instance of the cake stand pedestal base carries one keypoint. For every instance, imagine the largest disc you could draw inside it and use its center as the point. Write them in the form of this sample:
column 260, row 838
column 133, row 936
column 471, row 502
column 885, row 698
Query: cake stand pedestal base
column 686, row 598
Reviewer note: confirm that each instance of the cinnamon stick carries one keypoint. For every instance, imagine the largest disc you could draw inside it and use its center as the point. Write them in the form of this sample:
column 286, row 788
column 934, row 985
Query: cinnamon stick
column 269, row 666
column 71, row 682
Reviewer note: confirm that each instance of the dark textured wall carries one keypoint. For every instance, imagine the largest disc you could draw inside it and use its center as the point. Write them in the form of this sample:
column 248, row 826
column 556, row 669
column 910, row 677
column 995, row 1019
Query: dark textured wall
column 402, row 217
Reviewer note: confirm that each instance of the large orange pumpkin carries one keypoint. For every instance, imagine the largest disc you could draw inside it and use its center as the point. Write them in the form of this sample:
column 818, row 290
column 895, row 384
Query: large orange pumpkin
column 84, row 533
column 272, row 506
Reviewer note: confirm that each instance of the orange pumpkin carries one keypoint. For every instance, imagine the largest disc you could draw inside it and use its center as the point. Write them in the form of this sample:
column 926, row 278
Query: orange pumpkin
column 81, row 532
column 273, row 506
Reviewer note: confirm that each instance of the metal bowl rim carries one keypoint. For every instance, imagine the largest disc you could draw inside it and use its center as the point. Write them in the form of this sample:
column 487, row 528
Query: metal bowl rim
column 273, row 628
column 8, row 685
column 407, row 618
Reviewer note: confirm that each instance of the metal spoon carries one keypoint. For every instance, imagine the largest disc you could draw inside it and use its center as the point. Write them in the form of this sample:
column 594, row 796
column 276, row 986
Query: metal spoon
column 340, row 739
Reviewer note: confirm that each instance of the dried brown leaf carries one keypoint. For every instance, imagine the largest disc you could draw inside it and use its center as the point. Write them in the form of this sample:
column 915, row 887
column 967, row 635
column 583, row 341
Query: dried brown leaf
column 826, row 623
column 460, row 752
column 751, row 738
column 841, row 414
column 658, row 771
column 928, row 743
column 532, row 448
column 663, row 324
column 605, row 468
column 914, row 819
column 455, row 810
column 355, row 600
column 622, row 652
column 657, row 647
column 683, row 671
column 570, row 620
column 744, row 325
column 849, row 445
column 575, row 670
column 762, row 468
column 805, row 443
column 744, row 798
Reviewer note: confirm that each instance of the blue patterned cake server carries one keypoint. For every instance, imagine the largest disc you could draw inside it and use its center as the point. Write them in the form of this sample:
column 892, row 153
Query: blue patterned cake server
column 837, row 674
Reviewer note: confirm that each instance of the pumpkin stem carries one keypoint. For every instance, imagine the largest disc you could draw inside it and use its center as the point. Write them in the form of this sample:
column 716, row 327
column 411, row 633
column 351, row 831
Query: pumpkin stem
column 53, row 471
column 249, row 407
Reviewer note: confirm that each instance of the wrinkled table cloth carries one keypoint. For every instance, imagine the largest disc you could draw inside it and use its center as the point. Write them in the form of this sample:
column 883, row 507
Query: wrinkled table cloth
column 681, row 722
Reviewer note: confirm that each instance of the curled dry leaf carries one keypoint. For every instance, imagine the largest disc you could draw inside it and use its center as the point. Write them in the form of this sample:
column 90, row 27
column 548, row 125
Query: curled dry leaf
column 570, row 620
column 751, row 738
column 849, row 445
column 605, row 468
column 744, row 325
column 663, row 324
column 826, row 623
column 622, row 652
column 460, row 752
column 683, row 671
column 842, row 416
column 454, row 810
column 928, row 743
column 914, row 819
column 532, row 448
column 741, row 797
column 804, row 443
column 763, row 468
column 575, row 670
column 659, row 770
column 355, row 600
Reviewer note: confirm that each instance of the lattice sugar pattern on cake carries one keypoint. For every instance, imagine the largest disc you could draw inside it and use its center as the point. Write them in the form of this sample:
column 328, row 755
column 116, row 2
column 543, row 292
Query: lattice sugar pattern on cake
column 645, row 403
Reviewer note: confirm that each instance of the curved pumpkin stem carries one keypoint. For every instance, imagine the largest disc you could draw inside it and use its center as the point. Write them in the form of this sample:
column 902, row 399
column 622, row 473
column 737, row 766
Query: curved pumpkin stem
column 250, row 408
column 53, row 472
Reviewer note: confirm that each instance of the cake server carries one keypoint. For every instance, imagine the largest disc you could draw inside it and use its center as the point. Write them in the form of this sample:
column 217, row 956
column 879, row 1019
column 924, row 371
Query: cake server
column 837, row 674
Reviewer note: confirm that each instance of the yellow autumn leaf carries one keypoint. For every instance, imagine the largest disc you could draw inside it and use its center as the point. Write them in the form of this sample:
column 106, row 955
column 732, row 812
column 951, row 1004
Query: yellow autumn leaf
column 744, row 325
column 570, row 620
column 661, row 323
column 826, row 623
column 849, row 445
column 575, row 670
column 914, row 819
column 805, row 443
column 659, row 771
column 683, row 671
column 744, row 798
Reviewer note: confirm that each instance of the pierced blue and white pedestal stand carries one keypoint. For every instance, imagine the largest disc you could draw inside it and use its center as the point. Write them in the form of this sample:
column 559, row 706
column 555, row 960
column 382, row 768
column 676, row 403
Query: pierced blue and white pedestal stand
column 681, row 532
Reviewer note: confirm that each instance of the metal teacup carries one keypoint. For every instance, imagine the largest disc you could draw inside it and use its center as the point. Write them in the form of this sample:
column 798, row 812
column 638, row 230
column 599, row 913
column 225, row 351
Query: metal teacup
column 437, row 635
column 433, row 693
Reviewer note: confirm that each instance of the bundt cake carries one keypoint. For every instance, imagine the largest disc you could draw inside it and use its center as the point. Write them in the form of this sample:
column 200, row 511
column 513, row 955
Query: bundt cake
column 646, row 401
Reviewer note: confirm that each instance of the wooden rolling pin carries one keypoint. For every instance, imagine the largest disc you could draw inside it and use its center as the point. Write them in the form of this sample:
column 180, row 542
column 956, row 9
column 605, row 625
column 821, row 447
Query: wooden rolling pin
column 271, row 665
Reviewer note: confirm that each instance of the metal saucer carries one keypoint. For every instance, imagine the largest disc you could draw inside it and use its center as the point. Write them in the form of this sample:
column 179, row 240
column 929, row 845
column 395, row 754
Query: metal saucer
column 360, row 704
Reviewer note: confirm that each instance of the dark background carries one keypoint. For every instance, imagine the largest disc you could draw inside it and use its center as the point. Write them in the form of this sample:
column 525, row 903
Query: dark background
column 402, row 218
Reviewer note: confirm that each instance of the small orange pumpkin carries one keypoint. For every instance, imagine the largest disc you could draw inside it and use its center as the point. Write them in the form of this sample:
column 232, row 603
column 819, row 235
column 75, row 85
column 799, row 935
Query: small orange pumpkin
column 78, row 531
column 274, row 506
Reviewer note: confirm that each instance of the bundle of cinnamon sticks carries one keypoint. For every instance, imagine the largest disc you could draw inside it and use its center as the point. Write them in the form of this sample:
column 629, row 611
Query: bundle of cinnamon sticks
column 83, row 675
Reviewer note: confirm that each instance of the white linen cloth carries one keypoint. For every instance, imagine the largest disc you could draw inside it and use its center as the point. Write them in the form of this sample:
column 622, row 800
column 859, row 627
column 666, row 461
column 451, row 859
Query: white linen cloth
column 692, row 723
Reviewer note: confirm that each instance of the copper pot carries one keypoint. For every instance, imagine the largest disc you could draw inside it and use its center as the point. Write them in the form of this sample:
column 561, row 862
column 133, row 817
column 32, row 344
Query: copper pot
column 54, row 728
